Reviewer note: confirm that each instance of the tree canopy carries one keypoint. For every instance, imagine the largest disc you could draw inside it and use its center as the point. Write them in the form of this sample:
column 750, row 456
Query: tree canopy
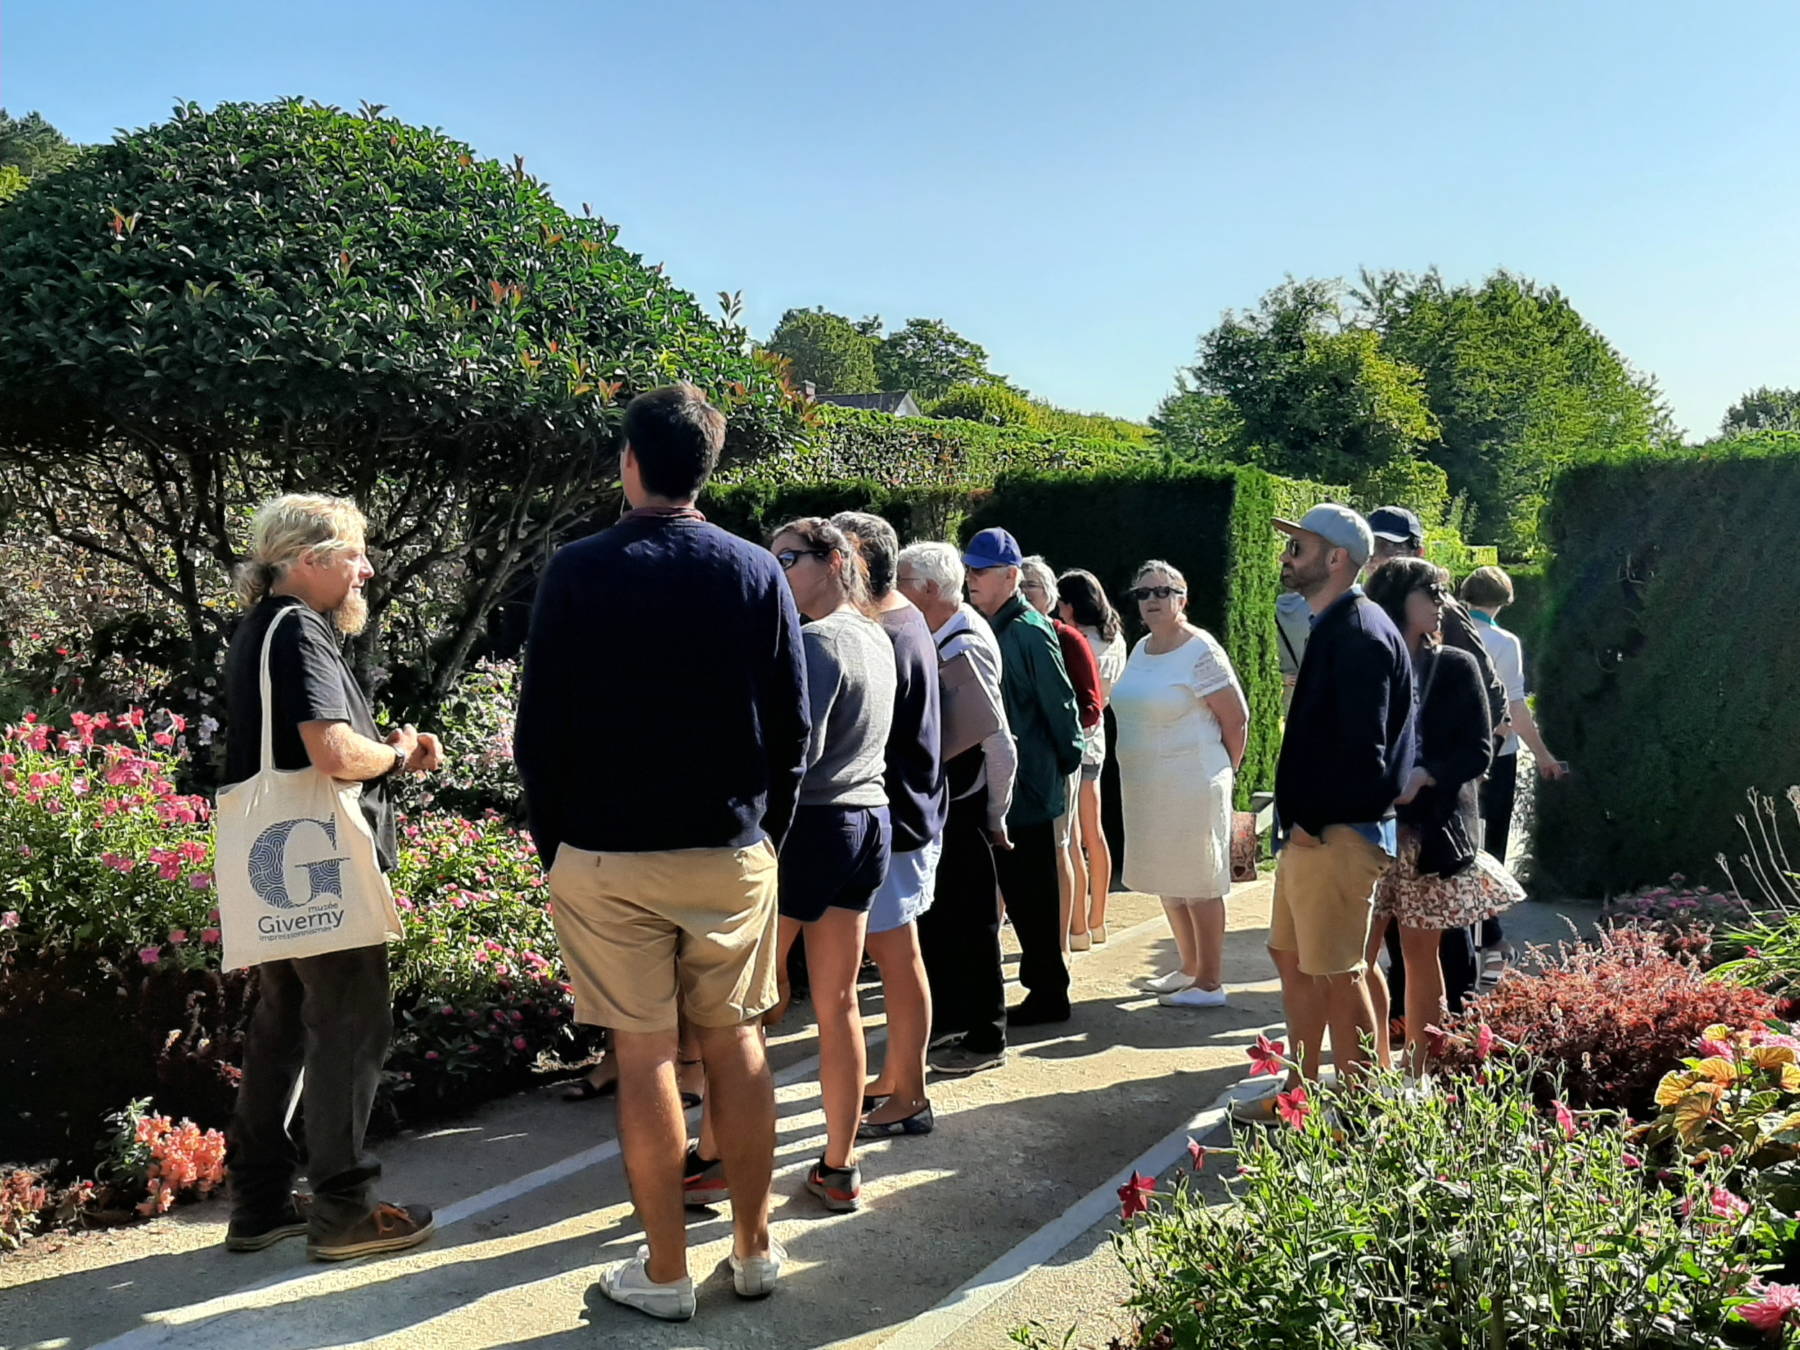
column 29, row 148
column 1763, row 409
column 826, row 350
column 261, row 298
column 930, row 358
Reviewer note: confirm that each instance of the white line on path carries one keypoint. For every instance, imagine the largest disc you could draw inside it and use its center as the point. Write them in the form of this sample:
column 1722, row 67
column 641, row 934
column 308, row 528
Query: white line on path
column 161, row 1326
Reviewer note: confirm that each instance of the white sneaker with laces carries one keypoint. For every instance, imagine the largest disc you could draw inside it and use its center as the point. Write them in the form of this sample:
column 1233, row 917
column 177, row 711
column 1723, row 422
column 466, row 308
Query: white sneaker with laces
column 755, row 1276
column 1173, row 982
column 1194, row 997
column 629, row 1283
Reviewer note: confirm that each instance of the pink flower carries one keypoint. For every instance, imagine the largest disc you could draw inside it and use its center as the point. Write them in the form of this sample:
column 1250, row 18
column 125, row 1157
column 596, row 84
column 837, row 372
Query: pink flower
column 1292, row 1107
column 1728, row 1206
column 149, row 955
column 431, row 1054
column 1266, row 1056
column 1565, row 1119
column 10, row 919
column 1778, row 1306
column 1196, row 1153
column 519, row 1042
column 1134, row 1195
column 163, row 739
column 209, row 936
column 200, row 881
column 1484, row 1041
column 177, row 936
column 117, row 861
column 1632, row 1161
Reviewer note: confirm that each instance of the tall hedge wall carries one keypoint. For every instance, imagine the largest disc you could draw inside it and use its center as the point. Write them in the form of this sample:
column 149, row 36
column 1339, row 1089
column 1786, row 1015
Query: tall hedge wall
column 1668, row 664
column 1212, row 522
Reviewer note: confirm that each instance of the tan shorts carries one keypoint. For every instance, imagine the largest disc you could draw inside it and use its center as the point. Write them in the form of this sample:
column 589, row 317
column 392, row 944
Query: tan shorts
column 1324, row 896
column 648, row 936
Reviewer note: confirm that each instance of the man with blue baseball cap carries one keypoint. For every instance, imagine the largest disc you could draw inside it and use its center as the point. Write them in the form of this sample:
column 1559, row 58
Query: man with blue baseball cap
column 1046, row 725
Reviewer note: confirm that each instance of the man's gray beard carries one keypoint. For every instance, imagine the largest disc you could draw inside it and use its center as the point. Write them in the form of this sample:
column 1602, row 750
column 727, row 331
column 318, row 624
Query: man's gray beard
column 351, row 617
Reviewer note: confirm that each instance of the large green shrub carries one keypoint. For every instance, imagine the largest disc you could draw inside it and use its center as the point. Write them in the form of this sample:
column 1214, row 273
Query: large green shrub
column 1212, row 522
column 1667, row 671
column 260, row 298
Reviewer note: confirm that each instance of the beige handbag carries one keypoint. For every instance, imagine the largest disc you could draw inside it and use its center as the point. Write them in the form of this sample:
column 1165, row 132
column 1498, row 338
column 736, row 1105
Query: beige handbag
column 294, row 860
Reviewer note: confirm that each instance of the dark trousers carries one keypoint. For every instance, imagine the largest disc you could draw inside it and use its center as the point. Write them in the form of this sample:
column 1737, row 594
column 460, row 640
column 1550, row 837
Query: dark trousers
column 959, row 936
column 331, row 1015
column 1497, row 796
column 1456, row 953
column 1034, row 904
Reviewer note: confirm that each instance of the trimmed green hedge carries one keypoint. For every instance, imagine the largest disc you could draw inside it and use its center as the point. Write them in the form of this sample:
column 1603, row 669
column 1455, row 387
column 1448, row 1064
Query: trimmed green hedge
column 1669, row 659
column 1528, row 614
column 1212, row 522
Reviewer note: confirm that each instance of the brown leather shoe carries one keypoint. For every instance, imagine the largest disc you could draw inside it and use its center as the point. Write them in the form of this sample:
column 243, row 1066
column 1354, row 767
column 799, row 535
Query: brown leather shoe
column 386, row 1228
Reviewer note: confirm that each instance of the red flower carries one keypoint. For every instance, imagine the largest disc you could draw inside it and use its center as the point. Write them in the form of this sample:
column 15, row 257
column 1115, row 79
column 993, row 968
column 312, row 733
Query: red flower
column 1778, row 1306
column 1565, row 1119
column 1134, row 1195
column 1196, row 1153
column 1484, row 1041
column 1266, row 1056
column 1437, row 1040
column 1293, row 1107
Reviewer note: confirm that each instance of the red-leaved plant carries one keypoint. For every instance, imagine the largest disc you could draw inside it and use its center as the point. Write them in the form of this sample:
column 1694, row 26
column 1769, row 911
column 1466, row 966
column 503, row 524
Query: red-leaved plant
column 1614, row 1013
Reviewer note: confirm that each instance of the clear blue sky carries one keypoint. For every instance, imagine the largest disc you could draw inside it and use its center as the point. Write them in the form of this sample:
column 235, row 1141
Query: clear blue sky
column 1081, row 188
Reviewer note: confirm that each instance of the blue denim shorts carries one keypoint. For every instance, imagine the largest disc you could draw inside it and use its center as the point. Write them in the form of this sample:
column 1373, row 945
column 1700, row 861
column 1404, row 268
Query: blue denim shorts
column 834, row 857
column 906, row 893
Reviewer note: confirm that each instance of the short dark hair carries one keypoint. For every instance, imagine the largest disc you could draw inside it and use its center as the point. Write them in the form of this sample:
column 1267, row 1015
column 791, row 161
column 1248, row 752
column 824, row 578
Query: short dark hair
column 1398, row 579
column 879, row 544
column 1082, row 592
column 1487, row 588
column 676, row 436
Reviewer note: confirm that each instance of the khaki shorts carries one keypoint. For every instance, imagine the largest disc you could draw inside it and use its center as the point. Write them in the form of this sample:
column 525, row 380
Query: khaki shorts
column 1324, row 897
column 649, row 936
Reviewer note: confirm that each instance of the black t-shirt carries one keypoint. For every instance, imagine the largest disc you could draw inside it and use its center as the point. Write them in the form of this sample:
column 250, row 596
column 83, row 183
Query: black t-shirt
column 309, row 682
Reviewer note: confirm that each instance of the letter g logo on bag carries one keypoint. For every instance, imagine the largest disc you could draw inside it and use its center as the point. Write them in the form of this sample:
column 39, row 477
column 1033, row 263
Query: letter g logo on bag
column 269, row 864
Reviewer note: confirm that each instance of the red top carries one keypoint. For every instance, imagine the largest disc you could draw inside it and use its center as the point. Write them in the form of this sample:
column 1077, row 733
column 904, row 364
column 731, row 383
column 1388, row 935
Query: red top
column 1084, row 672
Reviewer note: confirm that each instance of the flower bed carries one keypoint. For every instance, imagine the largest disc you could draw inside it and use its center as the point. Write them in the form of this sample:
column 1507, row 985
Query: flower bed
column 110, row 987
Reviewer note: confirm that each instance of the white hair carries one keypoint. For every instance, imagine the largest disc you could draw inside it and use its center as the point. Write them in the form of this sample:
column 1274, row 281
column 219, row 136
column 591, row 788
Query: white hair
column 936, row 562
column 286, row 529
column 1038, row 569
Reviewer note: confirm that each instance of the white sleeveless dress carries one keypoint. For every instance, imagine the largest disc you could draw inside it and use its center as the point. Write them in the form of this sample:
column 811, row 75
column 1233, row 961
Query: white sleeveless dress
column 1175, row 775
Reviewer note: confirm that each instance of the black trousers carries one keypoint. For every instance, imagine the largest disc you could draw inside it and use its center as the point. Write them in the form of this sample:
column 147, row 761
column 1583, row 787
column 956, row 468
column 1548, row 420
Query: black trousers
column 1034, row 904
column 332, row 1015
column 959, row 936
column 1497, row 796
column 1456, row 953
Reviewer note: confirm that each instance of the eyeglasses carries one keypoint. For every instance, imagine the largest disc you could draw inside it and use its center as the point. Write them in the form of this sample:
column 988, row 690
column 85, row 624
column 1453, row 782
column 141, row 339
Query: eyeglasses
column 789, row 556
column 1155, row 592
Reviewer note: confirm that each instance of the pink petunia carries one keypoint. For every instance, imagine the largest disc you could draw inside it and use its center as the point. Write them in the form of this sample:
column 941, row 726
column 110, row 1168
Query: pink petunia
column 1778, row 1305
column 209, row 935
column 117, row 861
column 149, row 955
column 177, row 936
column 10, row 919
column 519, row 1042
column 1728, row 1206
column 1266, row 1056
column 1293, row 1107
column 1196, row 1153
column 1565, row 1119
column 1484, row 1041
column 200, row 881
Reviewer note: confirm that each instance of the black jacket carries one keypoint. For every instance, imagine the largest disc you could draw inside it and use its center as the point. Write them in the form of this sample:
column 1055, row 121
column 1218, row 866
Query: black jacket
column 1461, row 632
column 1349, row 740
column 1456, row 746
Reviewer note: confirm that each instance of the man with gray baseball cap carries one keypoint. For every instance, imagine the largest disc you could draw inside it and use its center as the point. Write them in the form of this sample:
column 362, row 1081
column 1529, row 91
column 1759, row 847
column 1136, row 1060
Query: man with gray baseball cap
column 1344, row 759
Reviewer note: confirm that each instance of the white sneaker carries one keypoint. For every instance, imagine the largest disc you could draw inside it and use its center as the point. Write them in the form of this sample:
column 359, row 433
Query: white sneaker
column 1174, row 981
column 629, row 1283
column 1194, row 997
column 754, row 1277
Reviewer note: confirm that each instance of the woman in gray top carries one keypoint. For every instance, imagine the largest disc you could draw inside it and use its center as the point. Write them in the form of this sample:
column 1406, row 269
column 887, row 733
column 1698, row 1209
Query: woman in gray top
column 836, row 855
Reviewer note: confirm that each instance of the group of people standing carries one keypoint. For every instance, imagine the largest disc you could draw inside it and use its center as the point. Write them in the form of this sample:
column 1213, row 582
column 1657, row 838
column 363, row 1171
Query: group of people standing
column 728, row 749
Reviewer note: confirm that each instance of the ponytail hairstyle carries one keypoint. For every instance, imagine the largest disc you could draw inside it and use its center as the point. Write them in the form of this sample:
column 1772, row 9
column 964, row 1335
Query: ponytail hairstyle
column 287, row 529
column 1082, row 592
column 852, row 571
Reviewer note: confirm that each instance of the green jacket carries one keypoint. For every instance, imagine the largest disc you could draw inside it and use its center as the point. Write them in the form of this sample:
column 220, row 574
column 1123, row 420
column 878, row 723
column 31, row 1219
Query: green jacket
column 1040, row 707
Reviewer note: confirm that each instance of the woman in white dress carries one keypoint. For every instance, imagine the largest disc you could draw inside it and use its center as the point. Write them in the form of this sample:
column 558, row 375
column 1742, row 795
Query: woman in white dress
column 1082, row 603
column 1181, row 720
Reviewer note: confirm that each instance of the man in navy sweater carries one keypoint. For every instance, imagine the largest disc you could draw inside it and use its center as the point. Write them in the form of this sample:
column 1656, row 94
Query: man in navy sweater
column 1345, row 756
column 662, row 734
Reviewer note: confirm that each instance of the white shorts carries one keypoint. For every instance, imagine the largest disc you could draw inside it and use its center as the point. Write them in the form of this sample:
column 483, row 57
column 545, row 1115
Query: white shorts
column 906, row 893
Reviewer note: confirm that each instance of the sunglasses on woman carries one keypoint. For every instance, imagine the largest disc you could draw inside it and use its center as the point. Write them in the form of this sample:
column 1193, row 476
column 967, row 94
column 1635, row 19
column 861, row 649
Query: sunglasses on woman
column 789, row 556
column 1154, row 592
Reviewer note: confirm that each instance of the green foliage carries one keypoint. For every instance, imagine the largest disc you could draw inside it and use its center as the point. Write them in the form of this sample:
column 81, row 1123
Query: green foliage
column 12, row 182
column 32, row 146
column 1417, row 484
column 754, row 510
column 1196, row 427
column 1313, row 397
column 1528, row 614
column 1095, row 425
column 1667, row 668
column 1763, row 409
column 1520, row 385
column 1212, row 522
column 826, row 350
column 1464, row 1218
column 930, row 358
column 992, row 404
column 263, row 297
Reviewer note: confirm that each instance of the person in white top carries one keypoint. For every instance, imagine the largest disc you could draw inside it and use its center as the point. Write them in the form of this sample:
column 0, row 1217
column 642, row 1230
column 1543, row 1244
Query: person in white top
column 959, row 935
column 1082, row 603
column 1182, row 721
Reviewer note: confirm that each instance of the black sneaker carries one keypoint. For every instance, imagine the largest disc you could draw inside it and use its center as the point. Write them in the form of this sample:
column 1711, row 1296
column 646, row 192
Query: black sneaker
column 958, row 1061
column 839, row 1187
column 942, row 1039
column 1035, row 1012
column 386, row 1228
column 703, row 1180
column 253, row 1234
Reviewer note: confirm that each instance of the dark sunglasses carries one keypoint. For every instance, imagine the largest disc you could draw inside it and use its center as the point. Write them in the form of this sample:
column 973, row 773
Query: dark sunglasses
column 789, row 556
column 1154, row 592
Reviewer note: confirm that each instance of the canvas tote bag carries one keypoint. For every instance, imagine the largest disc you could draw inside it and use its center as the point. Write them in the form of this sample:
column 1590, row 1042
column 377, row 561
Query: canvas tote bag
column 294, row 860
column 966, row 718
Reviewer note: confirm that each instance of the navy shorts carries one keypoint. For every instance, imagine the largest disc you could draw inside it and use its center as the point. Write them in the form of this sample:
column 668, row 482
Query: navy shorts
column 833, row 857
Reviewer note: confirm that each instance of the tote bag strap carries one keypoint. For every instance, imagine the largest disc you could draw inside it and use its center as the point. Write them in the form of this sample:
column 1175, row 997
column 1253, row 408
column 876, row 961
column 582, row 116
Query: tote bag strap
column 268, row 713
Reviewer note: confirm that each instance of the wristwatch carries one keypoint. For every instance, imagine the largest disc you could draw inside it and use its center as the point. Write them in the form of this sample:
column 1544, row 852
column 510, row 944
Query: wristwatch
column 399, row 765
